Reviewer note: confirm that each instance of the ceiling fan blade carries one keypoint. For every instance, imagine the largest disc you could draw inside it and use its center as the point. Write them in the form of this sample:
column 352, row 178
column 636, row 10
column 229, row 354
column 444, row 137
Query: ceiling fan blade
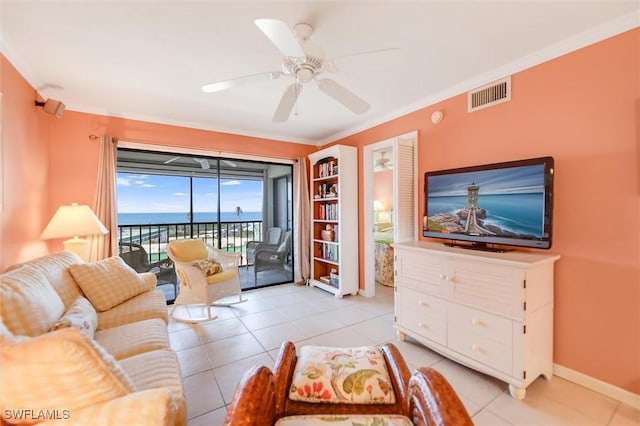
column 346, row 97
column 240, row 81
column 287, row 102
column 229, row 163
column 281, row 36
column 204, row 163
column 171, row 160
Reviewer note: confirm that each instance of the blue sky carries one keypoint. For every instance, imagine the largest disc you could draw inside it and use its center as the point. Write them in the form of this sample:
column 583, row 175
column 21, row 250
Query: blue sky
column 516, row 180
column 140, row 193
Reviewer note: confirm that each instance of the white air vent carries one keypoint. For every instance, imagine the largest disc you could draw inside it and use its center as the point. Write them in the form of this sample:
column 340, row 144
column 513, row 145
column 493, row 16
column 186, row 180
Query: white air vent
column 490, row 94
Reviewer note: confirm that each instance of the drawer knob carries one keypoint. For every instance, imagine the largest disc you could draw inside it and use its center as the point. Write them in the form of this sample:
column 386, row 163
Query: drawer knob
column 423, row 303
column 443, row 277
column 477, row 322
column 476, row 348
column 423, row 325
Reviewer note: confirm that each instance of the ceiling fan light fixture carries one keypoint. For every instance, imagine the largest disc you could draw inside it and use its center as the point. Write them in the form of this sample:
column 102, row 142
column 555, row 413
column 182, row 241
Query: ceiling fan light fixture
column 304, row 74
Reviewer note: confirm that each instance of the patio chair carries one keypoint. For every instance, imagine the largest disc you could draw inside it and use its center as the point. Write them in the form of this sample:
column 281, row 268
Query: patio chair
column 272, row 238
column 268, row 257
column 199, row 285
column 137, row 257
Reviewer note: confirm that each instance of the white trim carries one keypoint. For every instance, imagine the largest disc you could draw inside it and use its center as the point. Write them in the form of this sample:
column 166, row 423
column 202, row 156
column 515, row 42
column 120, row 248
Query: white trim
column 597, row 385
column 199, row 151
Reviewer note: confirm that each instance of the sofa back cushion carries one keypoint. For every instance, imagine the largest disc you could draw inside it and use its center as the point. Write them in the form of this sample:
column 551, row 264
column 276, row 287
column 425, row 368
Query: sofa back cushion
column 56, row 268
column 59, row 370
column 29, row 305
column 109, row 282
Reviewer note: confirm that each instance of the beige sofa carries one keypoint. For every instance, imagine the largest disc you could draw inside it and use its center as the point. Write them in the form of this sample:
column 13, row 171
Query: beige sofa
column 86, row 343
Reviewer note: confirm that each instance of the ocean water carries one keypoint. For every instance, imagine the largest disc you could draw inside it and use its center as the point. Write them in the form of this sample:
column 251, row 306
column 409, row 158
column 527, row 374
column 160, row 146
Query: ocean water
column 519, row 213
column 164, row 218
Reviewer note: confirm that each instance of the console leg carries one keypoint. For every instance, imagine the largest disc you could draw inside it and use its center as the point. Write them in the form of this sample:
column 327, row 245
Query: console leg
column 401, row 336
column 517, row 393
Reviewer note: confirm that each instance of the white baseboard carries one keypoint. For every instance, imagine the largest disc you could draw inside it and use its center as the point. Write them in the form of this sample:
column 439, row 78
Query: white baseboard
column 597, row 385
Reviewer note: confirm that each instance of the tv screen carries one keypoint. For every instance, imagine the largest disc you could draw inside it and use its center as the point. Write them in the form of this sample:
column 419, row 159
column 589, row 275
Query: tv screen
column 508, row 203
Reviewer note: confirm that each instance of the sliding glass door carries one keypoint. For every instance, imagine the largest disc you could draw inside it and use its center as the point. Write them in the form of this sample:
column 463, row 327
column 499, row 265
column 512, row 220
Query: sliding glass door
column 225, row 202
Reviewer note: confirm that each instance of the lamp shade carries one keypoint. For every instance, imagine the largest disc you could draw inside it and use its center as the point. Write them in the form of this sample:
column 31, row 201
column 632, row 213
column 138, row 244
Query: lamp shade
column 73, row 220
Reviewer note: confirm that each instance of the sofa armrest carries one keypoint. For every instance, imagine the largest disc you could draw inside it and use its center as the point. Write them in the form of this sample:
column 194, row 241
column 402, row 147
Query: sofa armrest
column 149, row 278
column 253, row 401
column 433, row 402
column 148, row 407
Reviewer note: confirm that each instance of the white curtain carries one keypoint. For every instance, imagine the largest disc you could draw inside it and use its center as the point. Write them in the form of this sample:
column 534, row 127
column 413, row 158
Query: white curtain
column 301, row 223
column 104, row 205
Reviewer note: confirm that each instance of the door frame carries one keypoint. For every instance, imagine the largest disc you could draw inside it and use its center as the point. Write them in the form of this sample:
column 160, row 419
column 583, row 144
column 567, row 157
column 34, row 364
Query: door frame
column 368, row 211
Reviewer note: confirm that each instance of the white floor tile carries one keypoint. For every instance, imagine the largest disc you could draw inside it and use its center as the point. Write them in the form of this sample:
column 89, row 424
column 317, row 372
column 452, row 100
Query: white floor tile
column 379, row 330
column 263, row 319
column 232, row 349
column 192, row 361
column 626, row 416
column 592, row 404
column 183, row 339
column 220, row 329
column 215, row 417
column 272, row 337
column 229, row 375
column 487, row 418
column 469, row 384
column 202, row 394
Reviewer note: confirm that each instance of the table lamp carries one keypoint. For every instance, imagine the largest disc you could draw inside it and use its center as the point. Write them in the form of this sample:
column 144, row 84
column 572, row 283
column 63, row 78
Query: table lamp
column 71, row 221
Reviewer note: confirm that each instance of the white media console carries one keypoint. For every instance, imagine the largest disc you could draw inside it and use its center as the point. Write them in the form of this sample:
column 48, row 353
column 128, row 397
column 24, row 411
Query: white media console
column 492, row 312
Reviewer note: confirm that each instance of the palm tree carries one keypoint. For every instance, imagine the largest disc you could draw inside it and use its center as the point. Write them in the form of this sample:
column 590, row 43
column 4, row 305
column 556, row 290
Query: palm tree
column 238, row 211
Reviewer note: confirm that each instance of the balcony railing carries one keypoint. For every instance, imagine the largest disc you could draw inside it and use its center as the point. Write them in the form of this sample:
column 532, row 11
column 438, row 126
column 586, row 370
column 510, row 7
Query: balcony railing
column 229, row 236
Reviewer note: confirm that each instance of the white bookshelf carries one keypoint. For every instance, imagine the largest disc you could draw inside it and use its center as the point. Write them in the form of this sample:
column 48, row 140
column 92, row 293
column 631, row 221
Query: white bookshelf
column 334, row 208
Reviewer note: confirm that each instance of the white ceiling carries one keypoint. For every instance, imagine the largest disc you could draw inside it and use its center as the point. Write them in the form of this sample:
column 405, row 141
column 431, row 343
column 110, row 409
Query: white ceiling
column 148, row 59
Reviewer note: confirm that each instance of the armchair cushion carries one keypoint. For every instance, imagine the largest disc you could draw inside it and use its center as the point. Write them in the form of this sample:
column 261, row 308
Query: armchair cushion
column 222, row 276
column 28, row 303
column 61, row 369
column 341, row 375
column 189, row 250
column 82, row 315
column 109, row 282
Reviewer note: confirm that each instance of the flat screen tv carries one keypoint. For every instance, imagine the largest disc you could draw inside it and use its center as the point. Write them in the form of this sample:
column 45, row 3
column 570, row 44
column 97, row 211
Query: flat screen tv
column 491, row 205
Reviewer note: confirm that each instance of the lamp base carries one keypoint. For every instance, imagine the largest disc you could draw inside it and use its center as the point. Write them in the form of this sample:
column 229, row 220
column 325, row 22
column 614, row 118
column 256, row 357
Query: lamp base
column 77, row 246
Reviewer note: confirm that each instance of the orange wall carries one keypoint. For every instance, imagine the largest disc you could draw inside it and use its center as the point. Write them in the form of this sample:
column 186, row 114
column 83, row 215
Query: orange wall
column 582, row 109
column 24, row 168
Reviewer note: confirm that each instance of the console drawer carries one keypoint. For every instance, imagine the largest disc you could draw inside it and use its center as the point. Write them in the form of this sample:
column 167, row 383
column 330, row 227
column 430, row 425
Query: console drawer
column 483, row 337
column 479, row 323
column 422, row 314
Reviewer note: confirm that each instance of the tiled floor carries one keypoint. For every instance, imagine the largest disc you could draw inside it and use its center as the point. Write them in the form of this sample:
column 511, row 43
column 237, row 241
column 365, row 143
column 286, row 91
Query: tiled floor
column 213, row 357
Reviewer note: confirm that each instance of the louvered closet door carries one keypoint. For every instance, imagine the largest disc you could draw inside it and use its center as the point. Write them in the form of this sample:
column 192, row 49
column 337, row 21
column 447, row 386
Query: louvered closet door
column 404, row 190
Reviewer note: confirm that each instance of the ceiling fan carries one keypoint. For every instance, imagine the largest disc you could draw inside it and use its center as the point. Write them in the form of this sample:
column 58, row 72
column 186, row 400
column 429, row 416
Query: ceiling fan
column 204, row 163
column 383, row 162
column 303, row 61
